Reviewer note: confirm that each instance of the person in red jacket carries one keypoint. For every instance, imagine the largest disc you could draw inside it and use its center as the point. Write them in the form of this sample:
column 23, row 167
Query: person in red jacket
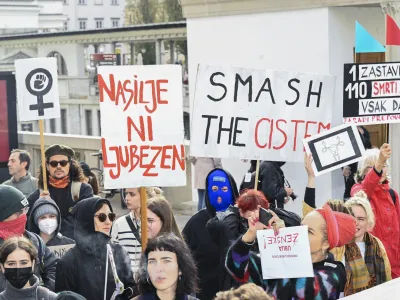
column 372, row 178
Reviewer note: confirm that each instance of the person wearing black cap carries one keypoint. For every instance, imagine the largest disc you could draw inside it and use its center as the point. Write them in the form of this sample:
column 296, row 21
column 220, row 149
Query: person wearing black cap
column 13, row 219
column 65, row 184
column 45, row 220
column 90, row 178
column 83, row 268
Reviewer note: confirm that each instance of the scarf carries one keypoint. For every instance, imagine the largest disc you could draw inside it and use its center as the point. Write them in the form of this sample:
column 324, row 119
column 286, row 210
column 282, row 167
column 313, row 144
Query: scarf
column 364, row 273
column 59, row 183
column 12, row 228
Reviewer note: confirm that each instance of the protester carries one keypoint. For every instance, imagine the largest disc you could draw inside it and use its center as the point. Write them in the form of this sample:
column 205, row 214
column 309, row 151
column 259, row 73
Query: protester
column 13, row 207
column 18, row 166
column 160, row 218
column 89, row 177
column 126, row 230
column 45, row 220
column 327, row 229
column 17, row 259
column 167, row 270
column 65, row 186
column 373, row 179
column 248, row 291
column 221, row 192
column 203, row 166
column 82, row 269
column 69, row 296
column 274, row 185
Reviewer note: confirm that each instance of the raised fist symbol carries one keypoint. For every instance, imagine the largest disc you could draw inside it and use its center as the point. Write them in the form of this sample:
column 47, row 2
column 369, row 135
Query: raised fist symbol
column 39, row 82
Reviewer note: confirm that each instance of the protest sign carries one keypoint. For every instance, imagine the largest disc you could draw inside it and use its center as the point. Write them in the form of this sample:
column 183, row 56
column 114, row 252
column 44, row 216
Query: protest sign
column 258, row 114
column 371, row 93
column 37, row 88
column 286, row 255
column 59, row 251
column 142, row 126
column 336, row 148
column 387, row 290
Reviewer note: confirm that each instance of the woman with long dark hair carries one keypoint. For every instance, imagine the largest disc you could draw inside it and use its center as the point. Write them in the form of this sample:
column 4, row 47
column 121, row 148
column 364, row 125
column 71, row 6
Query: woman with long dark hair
column 167, row 270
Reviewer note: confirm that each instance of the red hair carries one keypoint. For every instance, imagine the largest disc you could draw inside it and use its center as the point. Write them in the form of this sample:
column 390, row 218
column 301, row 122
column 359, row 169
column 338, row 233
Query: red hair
column 251, row 199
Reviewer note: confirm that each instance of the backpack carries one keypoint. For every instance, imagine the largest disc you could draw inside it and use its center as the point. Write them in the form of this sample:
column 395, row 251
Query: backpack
column 393, row 195
column 75, row 190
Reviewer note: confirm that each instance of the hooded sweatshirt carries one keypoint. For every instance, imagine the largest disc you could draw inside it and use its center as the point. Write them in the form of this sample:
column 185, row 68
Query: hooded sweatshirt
column 58, row 239
column 82, row 269
column 26, row 184
column 206, row 253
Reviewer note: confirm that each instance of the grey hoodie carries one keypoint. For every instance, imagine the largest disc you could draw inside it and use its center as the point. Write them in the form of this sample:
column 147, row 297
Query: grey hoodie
column 31, row 293
column 26, row 184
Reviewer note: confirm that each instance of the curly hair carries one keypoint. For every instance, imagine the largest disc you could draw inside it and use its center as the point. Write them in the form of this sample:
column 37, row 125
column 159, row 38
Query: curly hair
column 250, row 199
column 339, row 206
column 171, row 243
column 248, row 291
column 75, row 173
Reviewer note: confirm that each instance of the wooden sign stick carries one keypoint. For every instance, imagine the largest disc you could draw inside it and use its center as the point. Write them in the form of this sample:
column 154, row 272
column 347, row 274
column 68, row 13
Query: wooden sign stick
column 143, row 216
column 257, row 173
column 44, row 172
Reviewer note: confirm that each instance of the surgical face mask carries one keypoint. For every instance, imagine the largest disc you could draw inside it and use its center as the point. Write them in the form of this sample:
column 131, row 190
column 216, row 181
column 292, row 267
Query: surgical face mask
column 219, row 190
column 18, row 277
column 48, row 226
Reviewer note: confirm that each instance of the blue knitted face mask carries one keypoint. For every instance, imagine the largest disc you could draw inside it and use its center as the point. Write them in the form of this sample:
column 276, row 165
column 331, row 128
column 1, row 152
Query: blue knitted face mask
column 219, row 190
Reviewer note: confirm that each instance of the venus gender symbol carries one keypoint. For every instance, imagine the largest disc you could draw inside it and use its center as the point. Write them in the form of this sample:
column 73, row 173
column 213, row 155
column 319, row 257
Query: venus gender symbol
column 38, row 83
column 334, row 148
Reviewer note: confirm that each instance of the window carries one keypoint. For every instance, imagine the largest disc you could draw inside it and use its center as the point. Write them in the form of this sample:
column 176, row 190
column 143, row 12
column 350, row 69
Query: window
column 65, row 25
column 98, row 121
column 53, row 125
column 82, row 24
column 82, row 2
column 114, row 2
column 64, row 121
column 99, row 23
column 115, row 22
column 88, row 117
column 98, row 2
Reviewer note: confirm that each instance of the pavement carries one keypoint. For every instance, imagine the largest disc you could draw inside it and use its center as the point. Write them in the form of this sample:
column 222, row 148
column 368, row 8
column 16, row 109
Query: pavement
column 181, row 216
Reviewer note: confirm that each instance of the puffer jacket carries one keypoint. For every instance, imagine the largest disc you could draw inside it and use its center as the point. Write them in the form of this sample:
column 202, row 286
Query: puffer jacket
column 387, row 215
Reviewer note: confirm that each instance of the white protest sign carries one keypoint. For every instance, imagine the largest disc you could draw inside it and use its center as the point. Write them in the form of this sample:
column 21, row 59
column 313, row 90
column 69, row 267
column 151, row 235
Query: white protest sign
column 258, row 114
column 384, row 291
column 60, row 250
column 286, row 255
column 142, row 126
column 37, row 88
column 336, row 148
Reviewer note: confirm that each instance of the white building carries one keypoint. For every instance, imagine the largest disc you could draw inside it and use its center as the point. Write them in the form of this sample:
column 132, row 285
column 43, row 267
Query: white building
column 31, row 16
column 302, row 35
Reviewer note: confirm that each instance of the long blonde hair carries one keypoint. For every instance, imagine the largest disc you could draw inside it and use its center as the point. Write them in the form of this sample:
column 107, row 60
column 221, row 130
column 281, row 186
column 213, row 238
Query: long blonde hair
column 361, row 199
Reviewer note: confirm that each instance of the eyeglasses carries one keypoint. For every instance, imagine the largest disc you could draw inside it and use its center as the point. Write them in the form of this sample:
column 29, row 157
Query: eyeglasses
column 23, row 211
column 151, row 221
column 103, row 217
column 54, row 163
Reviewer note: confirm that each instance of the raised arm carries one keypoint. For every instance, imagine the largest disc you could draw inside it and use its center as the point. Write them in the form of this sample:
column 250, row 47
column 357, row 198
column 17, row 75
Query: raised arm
column 309, row 195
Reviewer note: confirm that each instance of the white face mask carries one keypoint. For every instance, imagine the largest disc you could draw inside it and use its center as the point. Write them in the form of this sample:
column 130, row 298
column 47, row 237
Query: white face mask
column 48, row 226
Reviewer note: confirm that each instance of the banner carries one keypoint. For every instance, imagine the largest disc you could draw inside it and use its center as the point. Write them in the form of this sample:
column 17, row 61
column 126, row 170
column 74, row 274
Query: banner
column 286, row 255
column 371, row 93
column 336, row 148
column 258, row 114
column 384, row 291
column 37, row 88
column 142, row 126
column 60, row 250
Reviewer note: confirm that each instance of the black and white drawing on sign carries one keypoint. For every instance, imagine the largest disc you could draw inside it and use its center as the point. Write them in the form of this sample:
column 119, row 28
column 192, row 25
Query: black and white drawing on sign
column 335, row 148
column 38, row 83
column 371, row 93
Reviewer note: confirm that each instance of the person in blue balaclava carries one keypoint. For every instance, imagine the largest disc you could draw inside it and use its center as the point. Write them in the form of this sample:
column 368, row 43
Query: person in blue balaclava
column 221, row 192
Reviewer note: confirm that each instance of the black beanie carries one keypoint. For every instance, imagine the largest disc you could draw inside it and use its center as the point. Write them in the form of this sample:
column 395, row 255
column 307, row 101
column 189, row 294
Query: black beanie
column 11, row 201
column 69, row 296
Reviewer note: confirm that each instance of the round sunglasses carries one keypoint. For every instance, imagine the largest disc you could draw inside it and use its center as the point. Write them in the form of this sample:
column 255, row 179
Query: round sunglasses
column 54, row 163
column 103, row 217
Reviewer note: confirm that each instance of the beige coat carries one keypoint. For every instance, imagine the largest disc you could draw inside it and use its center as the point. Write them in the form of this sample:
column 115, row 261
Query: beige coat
column 203, row 166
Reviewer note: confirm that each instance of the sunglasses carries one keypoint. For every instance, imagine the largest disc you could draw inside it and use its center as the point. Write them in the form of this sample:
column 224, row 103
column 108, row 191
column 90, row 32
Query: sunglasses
column 103, row 217
column 54, row 163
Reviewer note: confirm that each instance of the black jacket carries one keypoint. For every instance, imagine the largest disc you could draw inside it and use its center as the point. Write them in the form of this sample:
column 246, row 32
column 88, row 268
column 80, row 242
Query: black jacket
column 58, row 239
column 45, row 266
column 273, row 182
column 82, row 269
column 65, row 205
column 205, row 252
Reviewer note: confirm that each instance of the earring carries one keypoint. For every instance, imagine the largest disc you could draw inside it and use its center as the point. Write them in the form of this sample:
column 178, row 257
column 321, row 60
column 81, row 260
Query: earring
column 180, row 277
column 148, row 280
